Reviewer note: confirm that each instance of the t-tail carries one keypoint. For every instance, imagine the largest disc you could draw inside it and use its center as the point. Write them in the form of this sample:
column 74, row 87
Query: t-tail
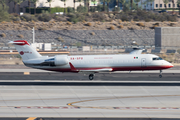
column 25, row 50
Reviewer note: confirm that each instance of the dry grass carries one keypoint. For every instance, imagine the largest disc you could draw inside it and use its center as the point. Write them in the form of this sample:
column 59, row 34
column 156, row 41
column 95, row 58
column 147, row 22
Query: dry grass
column 84, row 21
column 154, row 26
column 20, row 36
column 132, row 22
column 89, row 24
column 33, row 21
column 42, row 28
column 141, row 24
column 120, row 21
column 3, row 22
column 60, row 39
column 17, row 22
column 171, row 24
column 69, row 23
column 92, row 33
column 3, row 35
column 121, row 26
column 112, row 28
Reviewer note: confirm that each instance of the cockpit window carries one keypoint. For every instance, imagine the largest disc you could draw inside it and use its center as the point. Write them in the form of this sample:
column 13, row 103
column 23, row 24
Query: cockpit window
column 157, row 58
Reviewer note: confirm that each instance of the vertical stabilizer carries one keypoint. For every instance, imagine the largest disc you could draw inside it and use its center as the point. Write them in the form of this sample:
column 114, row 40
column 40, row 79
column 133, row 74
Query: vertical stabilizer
column 25, row 50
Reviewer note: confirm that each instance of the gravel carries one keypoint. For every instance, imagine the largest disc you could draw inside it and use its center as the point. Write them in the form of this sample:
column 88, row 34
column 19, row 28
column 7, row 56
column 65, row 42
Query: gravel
column 72, row 37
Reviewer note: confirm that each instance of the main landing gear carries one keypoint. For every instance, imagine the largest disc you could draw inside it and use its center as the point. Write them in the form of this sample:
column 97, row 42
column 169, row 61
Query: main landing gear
column 91, row 76
column 160, row 74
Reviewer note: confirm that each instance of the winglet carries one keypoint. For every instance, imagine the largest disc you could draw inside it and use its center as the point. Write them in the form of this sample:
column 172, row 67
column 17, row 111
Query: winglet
column 72, row 67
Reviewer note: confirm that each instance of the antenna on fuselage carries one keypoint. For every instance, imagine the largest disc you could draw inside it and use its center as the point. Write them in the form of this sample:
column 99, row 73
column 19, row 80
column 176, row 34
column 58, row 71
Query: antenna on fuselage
column 137, row 50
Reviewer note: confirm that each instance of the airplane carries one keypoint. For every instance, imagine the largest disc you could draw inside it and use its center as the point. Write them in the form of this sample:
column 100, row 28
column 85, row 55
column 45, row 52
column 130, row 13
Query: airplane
column 90, row 64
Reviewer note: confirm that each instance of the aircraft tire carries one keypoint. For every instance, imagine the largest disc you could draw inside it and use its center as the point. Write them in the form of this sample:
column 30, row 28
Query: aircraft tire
column 160, row 76
column 91, row 77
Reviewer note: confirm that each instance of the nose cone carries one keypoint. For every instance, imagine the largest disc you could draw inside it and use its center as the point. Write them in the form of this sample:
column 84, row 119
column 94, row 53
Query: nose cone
column 169, row 65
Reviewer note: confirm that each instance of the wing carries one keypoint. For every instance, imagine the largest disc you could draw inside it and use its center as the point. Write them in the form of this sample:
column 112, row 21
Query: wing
column 91, row 70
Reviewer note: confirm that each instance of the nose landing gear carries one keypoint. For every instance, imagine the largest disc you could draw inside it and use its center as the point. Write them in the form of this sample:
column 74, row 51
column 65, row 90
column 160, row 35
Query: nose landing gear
column 91, row 77
column 160, row 74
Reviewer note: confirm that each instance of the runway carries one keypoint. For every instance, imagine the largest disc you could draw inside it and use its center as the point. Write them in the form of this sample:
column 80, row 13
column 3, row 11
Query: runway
column 134, row 76
column 104, row 99
column 44, row 95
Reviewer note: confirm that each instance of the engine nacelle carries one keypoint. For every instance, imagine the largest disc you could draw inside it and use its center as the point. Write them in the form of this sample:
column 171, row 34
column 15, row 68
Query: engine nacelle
column 61, row 60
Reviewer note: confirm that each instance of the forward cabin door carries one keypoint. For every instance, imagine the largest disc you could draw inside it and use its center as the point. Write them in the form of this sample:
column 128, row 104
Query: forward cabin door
column 143, row 62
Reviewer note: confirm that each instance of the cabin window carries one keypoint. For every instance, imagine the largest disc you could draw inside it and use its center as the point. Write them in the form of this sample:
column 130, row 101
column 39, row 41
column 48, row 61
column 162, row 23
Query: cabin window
column 157, row 58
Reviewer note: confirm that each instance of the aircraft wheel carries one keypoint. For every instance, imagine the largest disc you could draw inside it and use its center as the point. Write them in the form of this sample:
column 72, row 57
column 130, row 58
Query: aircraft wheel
column 160, row 76
column 91, row 76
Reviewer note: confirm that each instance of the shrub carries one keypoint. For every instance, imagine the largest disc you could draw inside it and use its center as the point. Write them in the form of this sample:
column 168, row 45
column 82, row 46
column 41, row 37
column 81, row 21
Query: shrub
column 92, row 33
column 60, row 39
column 171, row 24
column 84, row 21
column 3, row 35
column 15, row 14
column 141, row 24
column 120, row 21
column 20, row 36
column 70, row 9
column 46, row 17
column 82, row 9
column 42, row 28
column 112, row 28
column 98, row 16
column 3, row 22
column 28, row 17
column 121, row 26
column 147, row 20
column 16, row 19
column 154, row 26
column 69, row 23
column 58, row 9
column 116, row 9
column 76, row 17
column 100, row 8
column 4, row 15
column 89, row 24
column 178, row 51
column 132, row 21
column 17, row 22
column 124, row 18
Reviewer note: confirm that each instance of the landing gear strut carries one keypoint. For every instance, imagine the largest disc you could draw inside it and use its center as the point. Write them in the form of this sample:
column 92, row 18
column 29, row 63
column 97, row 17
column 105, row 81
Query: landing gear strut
column 91, row 76
column 160, row 74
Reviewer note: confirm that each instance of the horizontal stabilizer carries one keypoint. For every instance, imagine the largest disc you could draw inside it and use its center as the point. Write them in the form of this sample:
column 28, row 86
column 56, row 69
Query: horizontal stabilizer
column 19, row 42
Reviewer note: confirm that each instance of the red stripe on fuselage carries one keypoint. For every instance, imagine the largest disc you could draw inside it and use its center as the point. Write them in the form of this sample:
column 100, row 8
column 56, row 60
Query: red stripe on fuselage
column 113, row 68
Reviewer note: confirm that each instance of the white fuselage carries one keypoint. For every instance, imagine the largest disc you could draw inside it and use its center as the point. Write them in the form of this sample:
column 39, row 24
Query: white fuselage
column 125, row 62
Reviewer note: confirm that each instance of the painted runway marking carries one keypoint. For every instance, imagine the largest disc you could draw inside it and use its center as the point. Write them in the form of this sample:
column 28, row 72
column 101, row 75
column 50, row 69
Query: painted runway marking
column 121, row 108
column 44, row 107
column 125, row 108
column 26, row 73
column 31, row 118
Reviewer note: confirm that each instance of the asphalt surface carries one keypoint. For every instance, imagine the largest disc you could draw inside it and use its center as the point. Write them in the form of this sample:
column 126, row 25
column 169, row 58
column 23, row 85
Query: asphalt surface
column 84, row 77
column 91, row 101
column 60, row 118
column 43, row 95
